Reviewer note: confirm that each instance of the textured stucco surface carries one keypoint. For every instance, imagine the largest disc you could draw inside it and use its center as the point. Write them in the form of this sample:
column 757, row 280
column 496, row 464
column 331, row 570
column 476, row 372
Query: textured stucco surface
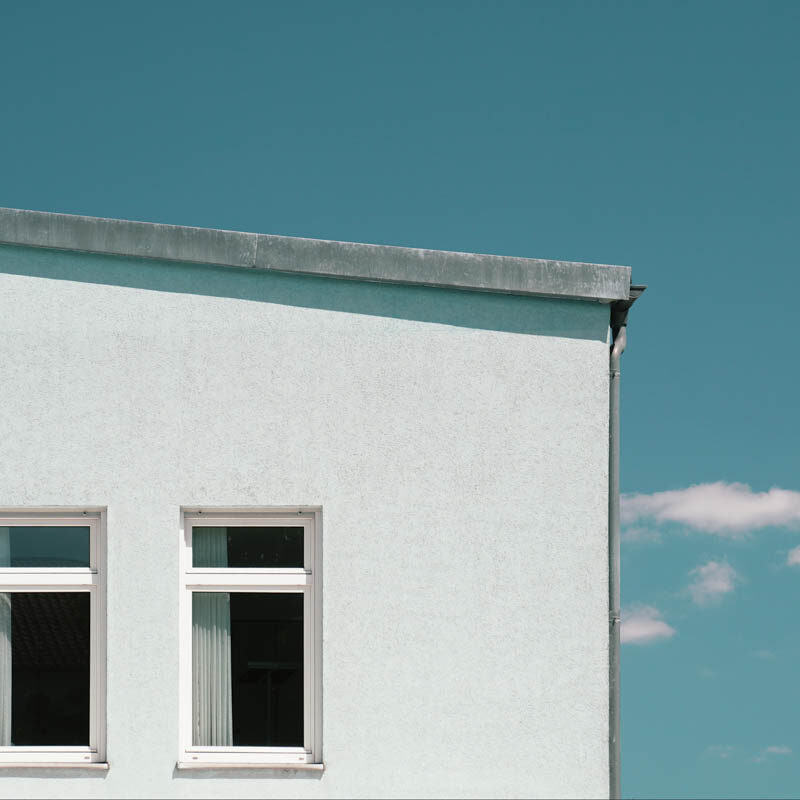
column 458, row 449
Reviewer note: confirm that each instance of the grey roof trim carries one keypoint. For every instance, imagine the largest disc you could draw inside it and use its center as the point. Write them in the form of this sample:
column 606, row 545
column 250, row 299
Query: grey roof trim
column 369, row 262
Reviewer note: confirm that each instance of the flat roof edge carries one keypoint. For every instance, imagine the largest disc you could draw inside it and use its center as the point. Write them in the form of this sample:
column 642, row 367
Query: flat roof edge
column 347, row 260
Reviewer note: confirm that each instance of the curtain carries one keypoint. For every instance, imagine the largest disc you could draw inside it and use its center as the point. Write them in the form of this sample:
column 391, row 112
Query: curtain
column 5, row 645
column 212, row 707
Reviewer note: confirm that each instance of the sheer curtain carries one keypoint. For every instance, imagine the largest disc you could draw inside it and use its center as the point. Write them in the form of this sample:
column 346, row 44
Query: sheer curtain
column 5, row 645
column 212, row 707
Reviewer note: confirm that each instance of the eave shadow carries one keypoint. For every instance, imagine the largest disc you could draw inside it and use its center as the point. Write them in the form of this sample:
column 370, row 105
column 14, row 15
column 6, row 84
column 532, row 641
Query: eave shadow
column 574, row 319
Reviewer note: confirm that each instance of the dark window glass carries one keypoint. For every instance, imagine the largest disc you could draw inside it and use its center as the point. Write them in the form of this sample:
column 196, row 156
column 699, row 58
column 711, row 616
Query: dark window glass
column 247, row 547
column 51, row 546
column 267, row 669
column 49, row 667
column 248, row 669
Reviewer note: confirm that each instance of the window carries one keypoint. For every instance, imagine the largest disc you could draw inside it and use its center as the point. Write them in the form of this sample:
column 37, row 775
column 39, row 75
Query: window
column 250, row 638
column 52, row 638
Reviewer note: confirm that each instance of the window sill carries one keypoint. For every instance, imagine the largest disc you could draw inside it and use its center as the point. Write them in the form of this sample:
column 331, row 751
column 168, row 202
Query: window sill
column 229, row 767
column 101, row 766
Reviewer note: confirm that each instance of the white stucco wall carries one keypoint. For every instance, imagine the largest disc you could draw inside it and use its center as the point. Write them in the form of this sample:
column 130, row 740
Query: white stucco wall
column 462, row 473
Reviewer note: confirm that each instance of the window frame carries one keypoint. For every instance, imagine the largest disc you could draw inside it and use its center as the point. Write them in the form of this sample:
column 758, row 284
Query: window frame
column 92, row 580
column 305, row 581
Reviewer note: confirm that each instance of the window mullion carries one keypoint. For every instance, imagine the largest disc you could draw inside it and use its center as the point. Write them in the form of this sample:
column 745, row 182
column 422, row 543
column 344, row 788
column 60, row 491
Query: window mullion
column 252, row 582
column 34, row 583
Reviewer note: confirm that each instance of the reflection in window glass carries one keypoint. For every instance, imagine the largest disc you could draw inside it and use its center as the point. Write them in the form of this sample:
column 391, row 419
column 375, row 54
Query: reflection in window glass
column 45, row 546
column 265, row 547
column 247, row 659
column 44, row 668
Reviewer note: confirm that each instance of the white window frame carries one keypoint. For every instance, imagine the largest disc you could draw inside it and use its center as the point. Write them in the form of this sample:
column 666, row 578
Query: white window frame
column 304, row 580
column 91, row 579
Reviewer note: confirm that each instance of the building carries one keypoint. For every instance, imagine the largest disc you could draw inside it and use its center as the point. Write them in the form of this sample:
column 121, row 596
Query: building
column 296, row 518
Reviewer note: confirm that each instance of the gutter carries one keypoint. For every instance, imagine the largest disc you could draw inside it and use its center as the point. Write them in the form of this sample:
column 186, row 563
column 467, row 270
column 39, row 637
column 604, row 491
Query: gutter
column 618, row 323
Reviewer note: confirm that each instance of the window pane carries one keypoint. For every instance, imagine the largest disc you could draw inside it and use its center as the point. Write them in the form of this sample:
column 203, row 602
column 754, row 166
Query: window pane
column 248, row 669
column 45, row 546
column 267, row 546
column 44, row 668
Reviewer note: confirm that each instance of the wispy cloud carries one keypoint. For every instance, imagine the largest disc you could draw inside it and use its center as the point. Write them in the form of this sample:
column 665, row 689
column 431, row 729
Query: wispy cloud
column 642, row 625
column 727, row 750
column 720, row 750
column 779, row 749
column 712, row 582
column 793, row 559
column 640, row 535
column 764, row 655
column 773, row 750
column 726, row 509
column 706, row 672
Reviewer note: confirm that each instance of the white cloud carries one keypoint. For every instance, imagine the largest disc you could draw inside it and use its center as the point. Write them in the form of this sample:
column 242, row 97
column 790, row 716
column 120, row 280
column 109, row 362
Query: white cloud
column 793, row 559
column 712, row 582
column 643, row 625
column 727, row 509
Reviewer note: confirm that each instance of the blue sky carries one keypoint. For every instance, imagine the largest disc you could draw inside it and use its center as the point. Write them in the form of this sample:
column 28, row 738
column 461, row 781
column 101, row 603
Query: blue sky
column 661, row 135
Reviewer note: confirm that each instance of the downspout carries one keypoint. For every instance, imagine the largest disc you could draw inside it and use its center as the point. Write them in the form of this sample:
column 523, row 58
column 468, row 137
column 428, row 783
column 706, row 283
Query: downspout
column 618, row 323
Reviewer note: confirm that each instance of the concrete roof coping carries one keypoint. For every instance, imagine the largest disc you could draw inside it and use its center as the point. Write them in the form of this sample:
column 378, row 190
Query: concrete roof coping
column 347, row 260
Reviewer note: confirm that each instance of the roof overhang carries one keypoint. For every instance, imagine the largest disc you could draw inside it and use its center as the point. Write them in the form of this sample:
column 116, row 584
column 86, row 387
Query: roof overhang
column 347, row 260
